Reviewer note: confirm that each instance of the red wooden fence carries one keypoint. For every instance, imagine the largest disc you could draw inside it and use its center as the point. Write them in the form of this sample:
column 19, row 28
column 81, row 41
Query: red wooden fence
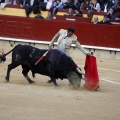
column 35, row 29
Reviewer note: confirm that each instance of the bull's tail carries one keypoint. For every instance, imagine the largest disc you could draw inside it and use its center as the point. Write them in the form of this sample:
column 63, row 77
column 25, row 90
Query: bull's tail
column 3, row 56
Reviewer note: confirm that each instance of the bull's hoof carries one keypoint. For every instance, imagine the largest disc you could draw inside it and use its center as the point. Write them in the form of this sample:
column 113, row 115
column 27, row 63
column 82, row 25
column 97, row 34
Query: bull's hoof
column 76, row 87
column 31, row 82
column 6, row 79
column 57, row 86
column 49, row 81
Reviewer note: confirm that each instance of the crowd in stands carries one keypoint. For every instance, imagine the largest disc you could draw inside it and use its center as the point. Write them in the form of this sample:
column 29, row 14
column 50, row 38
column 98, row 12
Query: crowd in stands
column 104, row 21
column 111, row 8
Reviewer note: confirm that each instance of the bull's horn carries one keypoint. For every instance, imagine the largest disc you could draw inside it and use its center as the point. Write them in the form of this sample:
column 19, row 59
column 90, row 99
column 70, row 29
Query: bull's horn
column 80, row 71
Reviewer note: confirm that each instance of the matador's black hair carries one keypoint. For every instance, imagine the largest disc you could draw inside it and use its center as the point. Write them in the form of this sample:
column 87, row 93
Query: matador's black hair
column 71, row 30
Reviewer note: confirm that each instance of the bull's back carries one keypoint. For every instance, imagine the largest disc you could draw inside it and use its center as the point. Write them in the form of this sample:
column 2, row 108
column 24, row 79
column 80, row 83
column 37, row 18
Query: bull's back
column 26, row 52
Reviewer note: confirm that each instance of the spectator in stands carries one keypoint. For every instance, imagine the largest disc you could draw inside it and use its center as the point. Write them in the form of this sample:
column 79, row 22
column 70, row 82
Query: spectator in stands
column 3, row 3
column 91, row 3
column 95, row 20
column 96, row 6
column 56, row 5
column 70, row 12
column 42, row 4
column 119, row 2
column 49, row 4
column 46, row 4
column 105, row 20
column 32, row 5
column 85, row 5
column 49, row 16
column 23, row 3
column 111, row 3
column 105, row 6
column 81, row 1
column 116, row 7
column 111, row 14
column 65, row 39
column 76, row 5
column 67, row 4
column 63, row 1
column 90, row 11
column 39, row 16
column 15, row 2
column 101, row 2
column 78, row 13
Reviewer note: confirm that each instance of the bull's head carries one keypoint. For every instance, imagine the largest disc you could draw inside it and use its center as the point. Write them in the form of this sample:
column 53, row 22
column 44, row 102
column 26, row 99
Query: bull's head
column 75, row 79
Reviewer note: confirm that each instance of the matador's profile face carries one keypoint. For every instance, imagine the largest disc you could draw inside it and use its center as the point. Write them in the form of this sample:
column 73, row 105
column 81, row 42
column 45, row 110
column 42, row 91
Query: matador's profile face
column 70, row 34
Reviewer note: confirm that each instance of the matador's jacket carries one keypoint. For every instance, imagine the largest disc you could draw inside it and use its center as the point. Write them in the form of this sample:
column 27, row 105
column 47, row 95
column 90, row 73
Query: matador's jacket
column 65, row 42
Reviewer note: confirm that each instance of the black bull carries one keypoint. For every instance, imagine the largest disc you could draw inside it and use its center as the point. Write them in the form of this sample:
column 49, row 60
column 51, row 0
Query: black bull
column 55, row 64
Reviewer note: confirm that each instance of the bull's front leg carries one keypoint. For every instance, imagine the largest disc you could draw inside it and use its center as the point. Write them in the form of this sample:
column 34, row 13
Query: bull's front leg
column 25, row 73
column 50, row 81
column 51, row 70
column 8, row 74
column 10, row 67
column 54, row 82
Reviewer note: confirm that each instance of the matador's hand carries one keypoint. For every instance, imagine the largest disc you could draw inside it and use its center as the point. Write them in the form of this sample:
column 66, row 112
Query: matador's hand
column 50, row 47
column 88, row 54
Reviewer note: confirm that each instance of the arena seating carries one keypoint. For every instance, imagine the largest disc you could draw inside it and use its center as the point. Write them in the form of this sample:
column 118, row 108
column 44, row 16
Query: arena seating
column 17, row 25
column 16, row 10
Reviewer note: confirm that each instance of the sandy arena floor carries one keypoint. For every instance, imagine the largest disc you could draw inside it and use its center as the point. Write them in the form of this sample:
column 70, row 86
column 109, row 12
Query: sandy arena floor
column 20, row 100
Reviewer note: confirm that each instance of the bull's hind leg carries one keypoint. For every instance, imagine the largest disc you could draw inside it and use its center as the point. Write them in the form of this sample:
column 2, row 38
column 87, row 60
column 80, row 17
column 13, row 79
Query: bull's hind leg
column 54, row 82
column 10, row 67
column 49, row 81
column 51, row 70
column 25, row 73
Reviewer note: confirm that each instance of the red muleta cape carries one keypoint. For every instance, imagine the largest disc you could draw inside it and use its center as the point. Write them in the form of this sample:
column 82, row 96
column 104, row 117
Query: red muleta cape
column 91, row 72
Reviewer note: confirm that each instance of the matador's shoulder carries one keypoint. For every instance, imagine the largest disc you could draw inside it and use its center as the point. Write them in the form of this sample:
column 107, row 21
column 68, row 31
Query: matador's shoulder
column 62, row 31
